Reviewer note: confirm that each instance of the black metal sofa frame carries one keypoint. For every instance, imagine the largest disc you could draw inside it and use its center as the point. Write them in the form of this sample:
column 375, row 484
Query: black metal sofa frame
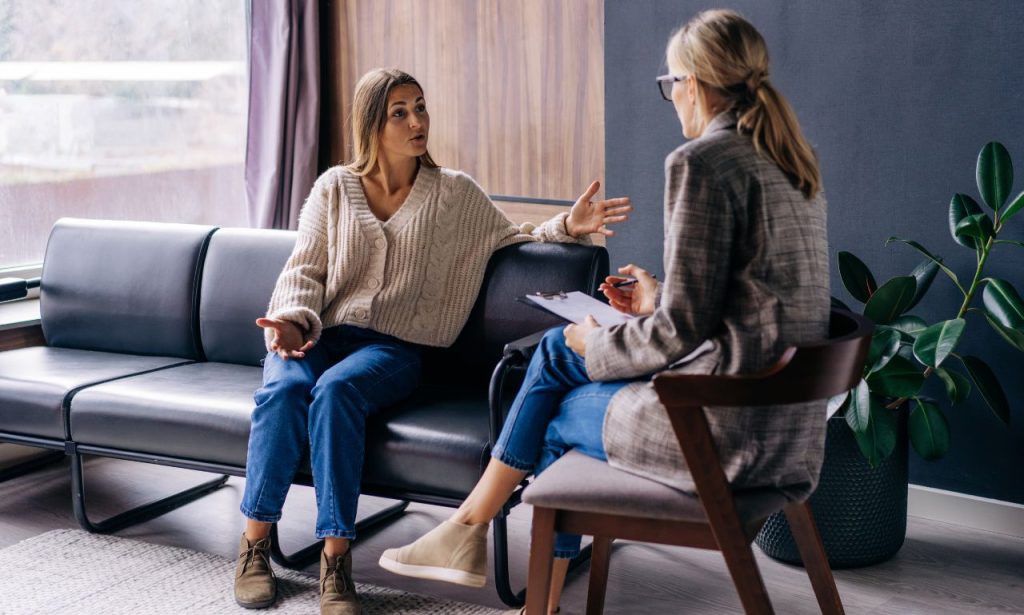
column 151, row 355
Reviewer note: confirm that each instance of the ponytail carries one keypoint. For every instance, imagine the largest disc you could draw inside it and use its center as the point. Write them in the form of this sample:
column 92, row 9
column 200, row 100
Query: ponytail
column 775, row 131
column 725, row 52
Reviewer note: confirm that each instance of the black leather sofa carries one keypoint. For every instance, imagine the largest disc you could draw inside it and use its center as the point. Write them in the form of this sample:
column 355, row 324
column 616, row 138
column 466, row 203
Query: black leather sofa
column 151, row 355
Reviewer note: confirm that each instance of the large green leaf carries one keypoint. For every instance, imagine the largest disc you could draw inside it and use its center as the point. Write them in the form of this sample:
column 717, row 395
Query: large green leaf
column 923, row 274
column 909, row 326
column 899, row 378
column 958, row 387
column 960, row 207
column 858, row 412
column 932, row 257
column 856, row 277
column 885, row 342
column 1016, row 205
column 995, row 174
column 891, row 300
column 1014, row 337
column 991, row 391
column 977, row 226
column 838, row 403
column 934, row 344
column 929, row 431
column 1004, row 303
column 879, row 439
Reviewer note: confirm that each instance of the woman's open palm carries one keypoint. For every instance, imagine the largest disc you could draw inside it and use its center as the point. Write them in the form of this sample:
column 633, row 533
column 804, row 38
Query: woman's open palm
column 288, row 340
column 588, row 216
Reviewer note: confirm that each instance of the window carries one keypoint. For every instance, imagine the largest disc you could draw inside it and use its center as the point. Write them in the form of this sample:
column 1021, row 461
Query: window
column 120, row 110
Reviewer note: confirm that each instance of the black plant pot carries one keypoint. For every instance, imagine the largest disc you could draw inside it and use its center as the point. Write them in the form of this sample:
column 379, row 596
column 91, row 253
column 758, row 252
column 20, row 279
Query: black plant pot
column 860, row 511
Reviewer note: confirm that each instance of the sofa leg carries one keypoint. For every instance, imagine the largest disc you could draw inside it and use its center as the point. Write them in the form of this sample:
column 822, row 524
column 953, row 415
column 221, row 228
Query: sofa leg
column 135, row 515
column 307, row 555
column 30, row 465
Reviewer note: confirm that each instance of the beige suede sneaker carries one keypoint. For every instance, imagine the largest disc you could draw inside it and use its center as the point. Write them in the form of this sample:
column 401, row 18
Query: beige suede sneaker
column 255, row 585
column 337, row 591
column 451, row 552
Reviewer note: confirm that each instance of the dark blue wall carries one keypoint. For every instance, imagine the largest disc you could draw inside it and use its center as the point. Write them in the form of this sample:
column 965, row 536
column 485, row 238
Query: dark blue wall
column 898, row 99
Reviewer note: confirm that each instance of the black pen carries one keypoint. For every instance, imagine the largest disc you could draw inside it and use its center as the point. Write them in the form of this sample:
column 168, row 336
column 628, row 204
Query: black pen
column 624, row 283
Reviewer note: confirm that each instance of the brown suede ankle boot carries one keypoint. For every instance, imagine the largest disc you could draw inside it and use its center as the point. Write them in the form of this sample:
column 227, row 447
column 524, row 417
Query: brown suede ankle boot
column 255, row 585
column 337, row 591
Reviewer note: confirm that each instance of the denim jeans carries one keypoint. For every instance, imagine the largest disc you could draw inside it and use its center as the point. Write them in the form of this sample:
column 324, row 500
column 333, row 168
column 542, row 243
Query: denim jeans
column 321, row 402
column 557, row 409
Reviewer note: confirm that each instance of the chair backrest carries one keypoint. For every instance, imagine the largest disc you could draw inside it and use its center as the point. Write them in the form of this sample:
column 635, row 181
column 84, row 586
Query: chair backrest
column 122, row 286
column 239, row 274
column 498, row 317
column 803, row 373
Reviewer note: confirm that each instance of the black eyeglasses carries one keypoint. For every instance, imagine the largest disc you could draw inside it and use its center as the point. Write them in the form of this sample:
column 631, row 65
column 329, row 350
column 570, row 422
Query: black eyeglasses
column 665, row 85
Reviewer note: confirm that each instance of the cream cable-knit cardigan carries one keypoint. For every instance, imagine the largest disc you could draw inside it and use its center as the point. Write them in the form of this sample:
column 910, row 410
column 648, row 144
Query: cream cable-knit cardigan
column 415, row 276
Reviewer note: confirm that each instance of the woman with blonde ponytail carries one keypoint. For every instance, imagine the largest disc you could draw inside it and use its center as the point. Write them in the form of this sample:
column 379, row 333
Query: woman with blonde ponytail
column 746, row 264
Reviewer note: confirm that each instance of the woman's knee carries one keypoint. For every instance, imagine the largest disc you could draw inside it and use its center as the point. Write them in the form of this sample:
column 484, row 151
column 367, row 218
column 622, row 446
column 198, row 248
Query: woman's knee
column 284, row 388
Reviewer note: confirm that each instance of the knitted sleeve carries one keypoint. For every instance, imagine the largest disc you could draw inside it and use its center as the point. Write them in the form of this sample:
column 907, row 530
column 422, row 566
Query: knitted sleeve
column 503, row 232
column 299, row 293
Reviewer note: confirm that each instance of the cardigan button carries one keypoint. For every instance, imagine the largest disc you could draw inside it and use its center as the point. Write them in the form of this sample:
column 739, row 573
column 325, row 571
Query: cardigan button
column 372, row 283
column 379, row 243
column 361, row 314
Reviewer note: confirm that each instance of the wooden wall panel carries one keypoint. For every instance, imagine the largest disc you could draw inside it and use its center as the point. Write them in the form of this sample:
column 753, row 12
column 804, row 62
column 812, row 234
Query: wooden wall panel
column 515, row 88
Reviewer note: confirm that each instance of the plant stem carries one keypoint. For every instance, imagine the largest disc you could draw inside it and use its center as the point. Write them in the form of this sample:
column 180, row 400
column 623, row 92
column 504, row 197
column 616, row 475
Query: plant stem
column 982, row 257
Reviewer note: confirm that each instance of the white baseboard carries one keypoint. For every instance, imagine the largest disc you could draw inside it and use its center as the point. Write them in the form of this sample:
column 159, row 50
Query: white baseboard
column 967, row 510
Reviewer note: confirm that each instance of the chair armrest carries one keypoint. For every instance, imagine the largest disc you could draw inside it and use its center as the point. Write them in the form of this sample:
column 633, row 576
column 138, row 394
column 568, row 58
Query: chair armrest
column 524, row 346
column 16, row 288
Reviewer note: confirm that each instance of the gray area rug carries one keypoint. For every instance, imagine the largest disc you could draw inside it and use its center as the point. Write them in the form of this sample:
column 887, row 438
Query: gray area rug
column 72, row 571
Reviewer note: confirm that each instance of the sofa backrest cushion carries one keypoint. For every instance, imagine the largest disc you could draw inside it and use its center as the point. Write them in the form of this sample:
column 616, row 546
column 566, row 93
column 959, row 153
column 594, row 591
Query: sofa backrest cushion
column 124, row 287
column 498, row 317
column 241, row 269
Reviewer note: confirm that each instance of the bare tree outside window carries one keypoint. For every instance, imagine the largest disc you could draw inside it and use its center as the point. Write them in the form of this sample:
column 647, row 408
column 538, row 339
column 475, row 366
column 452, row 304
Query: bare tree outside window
column 121, row 110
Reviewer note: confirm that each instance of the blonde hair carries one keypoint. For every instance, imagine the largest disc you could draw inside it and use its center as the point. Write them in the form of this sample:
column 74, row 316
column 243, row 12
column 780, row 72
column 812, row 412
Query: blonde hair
column 370, row 113
column 723, row 51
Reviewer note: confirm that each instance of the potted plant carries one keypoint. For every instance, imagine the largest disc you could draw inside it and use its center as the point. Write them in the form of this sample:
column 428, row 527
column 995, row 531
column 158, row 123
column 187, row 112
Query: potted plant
column 861, row 501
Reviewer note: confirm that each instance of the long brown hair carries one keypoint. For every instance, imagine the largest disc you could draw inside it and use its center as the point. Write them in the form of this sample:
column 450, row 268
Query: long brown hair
column 722, row 50
column 369, row 114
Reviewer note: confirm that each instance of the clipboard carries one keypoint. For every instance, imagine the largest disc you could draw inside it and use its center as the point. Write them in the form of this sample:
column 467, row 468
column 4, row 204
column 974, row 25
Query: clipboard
column 575, row 306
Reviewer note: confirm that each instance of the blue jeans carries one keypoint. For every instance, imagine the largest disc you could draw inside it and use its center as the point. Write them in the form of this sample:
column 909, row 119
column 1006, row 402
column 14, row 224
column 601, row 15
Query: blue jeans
column 321, row 402
column 557, row 409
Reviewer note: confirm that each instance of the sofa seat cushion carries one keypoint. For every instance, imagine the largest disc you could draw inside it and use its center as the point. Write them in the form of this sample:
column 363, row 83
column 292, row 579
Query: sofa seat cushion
column 35, row 381
column 197, row 412
column 435, row 443
column 611, row 491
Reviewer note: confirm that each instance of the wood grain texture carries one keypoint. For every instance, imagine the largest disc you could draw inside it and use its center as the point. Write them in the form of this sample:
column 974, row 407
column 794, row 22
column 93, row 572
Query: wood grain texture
column 21, row 337
column 515, row 90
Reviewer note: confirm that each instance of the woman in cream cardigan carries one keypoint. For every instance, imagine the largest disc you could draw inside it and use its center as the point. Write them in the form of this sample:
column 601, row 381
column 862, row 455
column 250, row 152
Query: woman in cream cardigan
column 390, row 255
column 746, row 265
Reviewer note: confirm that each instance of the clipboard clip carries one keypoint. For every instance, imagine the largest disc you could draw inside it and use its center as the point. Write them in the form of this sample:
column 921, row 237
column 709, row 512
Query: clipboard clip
column 555, row 294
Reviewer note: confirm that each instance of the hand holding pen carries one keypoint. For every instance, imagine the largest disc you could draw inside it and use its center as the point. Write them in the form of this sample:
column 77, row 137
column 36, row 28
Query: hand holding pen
column 634, row 295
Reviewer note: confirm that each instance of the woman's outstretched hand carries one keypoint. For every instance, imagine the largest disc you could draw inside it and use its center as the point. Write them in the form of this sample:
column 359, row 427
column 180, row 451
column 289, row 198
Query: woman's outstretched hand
column 287, row 342
column 576, row 335
column 637, row 299
column 589, row 216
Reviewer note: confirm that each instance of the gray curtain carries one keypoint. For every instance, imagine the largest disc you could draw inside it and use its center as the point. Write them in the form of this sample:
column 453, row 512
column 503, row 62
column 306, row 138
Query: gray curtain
column 284, row 110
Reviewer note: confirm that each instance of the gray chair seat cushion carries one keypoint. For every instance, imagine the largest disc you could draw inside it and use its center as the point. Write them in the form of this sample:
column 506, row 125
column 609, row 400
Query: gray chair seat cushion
column 581, row 483
column 35, row 381
column 197, row 412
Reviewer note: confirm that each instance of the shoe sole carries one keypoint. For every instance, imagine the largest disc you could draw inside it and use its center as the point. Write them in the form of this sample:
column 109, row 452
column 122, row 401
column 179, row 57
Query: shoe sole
column 434, row 573
column 257, row 605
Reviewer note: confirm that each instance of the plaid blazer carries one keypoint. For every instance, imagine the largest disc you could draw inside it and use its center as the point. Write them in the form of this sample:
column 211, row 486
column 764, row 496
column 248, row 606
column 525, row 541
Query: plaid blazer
column 746, row 262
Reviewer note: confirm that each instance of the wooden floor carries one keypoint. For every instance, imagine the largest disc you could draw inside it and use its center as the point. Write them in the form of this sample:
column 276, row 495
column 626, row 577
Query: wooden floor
column 942, row 569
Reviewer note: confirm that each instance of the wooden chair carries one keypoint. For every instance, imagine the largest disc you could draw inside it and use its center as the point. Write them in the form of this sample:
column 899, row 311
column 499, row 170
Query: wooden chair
column 614, row 504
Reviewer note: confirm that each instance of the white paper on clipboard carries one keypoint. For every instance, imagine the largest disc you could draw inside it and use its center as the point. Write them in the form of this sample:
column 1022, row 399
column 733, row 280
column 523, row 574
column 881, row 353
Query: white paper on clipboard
column 575, row 306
